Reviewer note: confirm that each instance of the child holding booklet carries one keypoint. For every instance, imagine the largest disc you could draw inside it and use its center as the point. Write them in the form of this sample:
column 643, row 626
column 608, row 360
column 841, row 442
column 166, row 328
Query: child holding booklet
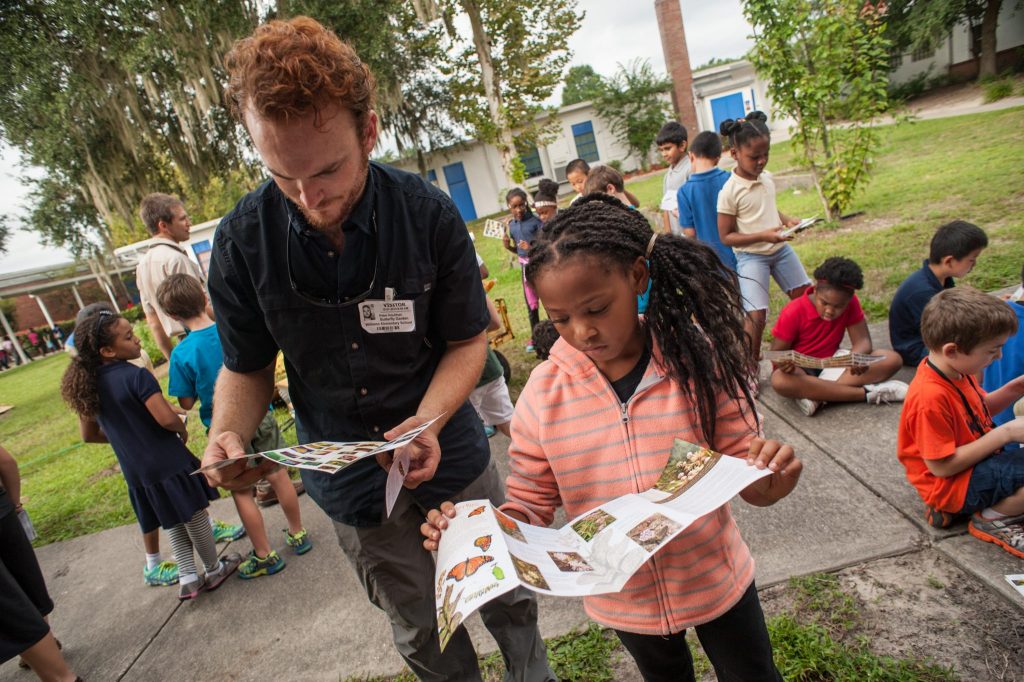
column 599, row 418
column 194, row 365
column 814, row 325
column 750, row 222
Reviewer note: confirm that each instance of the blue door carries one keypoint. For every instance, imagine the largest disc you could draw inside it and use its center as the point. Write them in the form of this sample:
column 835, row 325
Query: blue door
column 458, row 189
column 730, row 106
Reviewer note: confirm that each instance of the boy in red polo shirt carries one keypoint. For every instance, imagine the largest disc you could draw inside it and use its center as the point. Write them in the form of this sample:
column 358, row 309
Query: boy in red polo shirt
column 814, row 324
column 952, row 451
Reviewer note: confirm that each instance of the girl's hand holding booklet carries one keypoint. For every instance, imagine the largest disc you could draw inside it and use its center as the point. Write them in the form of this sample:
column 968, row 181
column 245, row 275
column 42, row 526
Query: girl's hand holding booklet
column 801, row 226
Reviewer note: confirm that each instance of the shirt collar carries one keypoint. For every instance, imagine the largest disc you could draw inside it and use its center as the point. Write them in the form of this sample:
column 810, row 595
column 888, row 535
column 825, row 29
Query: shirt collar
column 169, row 242
column 744, row 182
column 360, row 218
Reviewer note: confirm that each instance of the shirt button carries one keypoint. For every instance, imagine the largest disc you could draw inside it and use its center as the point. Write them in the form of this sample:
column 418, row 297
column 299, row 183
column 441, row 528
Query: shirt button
column 355, row 346
column 376, row 429
column 331, row 254
column 363, row 391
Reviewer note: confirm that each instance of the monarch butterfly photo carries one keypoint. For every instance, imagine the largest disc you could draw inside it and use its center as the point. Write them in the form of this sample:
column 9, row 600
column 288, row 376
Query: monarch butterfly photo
column 483, row 542
column 478, row 510
column 468, row 567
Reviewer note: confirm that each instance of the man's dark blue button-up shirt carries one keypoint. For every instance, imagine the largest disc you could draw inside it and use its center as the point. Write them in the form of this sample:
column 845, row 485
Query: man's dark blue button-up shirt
column 345, row 383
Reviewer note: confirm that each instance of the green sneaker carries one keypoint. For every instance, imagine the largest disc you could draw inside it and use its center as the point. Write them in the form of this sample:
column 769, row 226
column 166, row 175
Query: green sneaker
column 163, row 574
column 226, row 532
column 254, row 566
column 300, row 542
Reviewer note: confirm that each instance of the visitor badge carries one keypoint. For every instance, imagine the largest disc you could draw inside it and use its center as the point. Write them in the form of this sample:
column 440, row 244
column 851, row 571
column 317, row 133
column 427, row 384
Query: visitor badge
column 388, row 316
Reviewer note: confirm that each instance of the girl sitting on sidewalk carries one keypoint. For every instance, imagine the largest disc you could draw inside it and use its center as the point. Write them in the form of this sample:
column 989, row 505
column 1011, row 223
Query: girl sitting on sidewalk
column 599, row 418
column 121, row 404
column 814, row 325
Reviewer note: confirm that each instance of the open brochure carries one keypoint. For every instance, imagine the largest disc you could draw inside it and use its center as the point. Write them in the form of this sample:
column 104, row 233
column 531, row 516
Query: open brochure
column 801, row 226
column 801, row 360
column 332, row 457
column 1017, row 581
column 485, row 553
column 494, row 228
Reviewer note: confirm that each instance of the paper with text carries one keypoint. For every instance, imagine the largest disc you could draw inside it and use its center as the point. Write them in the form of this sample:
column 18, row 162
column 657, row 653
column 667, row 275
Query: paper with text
column 484, row 553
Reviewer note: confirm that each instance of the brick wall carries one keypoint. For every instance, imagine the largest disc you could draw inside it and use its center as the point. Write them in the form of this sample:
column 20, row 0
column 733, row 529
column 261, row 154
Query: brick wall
column 60, row 302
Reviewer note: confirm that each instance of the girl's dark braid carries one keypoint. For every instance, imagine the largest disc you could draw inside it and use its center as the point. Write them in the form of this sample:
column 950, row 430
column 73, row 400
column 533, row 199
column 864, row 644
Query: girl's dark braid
column 694, row 310
column 79, row 385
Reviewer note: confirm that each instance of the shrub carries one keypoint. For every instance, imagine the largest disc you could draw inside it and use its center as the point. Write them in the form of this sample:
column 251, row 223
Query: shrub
column 616, row 164
column 148, row 344
column 912, row 88
column 134, row 314
column 997, row 90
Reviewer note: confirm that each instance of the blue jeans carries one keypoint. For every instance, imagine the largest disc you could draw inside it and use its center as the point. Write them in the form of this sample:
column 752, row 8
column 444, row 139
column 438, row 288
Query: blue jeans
column 994, row 479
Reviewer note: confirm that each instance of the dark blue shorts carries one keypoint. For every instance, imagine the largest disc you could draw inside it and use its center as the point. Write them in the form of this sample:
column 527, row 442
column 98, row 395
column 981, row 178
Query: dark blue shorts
column 994, row 479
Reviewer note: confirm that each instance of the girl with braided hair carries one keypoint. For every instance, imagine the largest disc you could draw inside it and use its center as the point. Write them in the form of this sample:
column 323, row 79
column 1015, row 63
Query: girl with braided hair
column 750, row 222
column 121, row 404
column 598, row 419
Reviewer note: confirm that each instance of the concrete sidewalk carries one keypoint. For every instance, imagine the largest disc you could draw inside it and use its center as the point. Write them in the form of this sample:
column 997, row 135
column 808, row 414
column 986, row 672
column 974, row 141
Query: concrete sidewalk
column 314, row 622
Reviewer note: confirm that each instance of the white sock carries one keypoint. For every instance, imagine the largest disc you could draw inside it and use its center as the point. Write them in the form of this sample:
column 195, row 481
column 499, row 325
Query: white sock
column 213, row 524
column 991, row 514
column 187, row 578
column 153, row 560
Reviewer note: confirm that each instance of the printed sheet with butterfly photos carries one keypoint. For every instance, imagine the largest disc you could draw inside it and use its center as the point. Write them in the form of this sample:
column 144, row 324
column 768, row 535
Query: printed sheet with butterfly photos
column 331, row 457
column 485, row 553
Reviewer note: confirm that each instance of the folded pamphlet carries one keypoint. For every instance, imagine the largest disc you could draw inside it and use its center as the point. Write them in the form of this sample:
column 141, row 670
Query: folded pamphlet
column 332, row 457
column 484, row 553
column 801, row 360
column 801, row 226
column 494, row 228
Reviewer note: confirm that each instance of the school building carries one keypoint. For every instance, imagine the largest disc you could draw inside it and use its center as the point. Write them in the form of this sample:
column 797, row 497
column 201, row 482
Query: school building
column 470, row 172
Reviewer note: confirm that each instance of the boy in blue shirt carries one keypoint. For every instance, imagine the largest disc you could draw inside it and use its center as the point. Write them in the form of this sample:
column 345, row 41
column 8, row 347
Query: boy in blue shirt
column 194, row 365
column 698, row 198
column 1010, row 365
column 953, row 252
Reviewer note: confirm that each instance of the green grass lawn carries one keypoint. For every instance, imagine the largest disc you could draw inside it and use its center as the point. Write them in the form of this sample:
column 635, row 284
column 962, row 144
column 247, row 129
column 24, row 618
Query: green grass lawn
column 926, row 173
column 70, row 488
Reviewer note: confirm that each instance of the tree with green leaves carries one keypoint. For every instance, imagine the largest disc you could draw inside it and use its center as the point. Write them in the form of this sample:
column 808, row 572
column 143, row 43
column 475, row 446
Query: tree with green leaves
column 5, row 232
column 500, row 80
column 913, row 25
column 403, row 50
column 115, row 99
column 826, row 63
column 634, row 106
column 581, row 83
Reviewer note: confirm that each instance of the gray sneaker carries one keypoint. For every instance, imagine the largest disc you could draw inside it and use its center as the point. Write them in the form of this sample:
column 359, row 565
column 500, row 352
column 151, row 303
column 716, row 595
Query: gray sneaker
column 808, row 406
column 886, row 392
column 1007, row 532
column 228, row 565
column 191, row 590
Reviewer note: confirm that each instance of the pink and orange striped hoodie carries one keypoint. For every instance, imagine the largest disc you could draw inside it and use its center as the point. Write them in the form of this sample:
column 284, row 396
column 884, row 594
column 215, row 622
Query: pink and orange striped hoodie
column 574, row 444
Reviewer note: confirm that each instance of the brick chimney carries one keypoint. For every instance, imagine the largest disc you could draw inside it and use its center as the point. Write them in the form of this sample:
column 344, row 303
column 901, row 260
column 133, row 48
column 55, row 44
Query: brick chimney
column 677, row 61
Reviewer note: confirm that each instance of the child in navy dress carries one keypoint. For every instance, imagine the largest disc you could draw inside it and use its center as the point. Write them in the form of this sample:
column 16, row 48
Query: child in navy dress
column 121, row 404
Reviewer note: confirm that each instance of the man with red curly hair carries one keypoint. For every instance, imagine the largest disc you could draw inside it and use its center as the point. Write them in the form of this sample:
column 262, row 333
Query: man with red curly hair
column 294, row 266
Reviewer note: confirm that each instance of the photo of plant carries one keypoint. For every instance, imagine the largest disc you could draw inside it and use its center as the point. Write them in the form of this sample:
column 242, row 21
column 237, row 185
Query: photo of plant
column 686, row 465
column 652, row 531
column 592, row 524
column 529, row 573
column 509, row 525
column 570, row 562
column 448, row 619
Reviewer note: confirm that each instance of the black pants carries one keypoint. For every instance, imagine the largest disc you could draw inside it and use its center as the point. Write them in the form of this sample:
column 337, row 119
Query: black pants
column 736, row 643
column 23, row 596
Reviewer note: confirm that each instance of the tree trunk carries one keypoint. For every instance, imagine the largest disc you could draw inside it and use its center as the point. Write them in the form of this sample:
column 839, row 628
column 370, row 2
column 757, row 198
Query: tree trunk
column 492, row 91
column 989, row 23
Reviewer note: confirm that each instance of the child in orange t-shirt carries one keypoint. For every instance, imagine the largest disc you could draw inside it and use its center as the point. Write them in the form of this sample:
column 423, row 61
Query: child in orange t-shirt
column 947, row 442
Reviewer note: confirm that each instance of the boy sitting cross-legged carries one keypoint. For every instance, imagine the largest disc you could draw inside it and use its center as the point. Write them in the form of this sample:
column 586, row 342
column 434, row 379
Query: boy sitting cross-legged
column 194, row 365
column 952, row 451
column 814, row 324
